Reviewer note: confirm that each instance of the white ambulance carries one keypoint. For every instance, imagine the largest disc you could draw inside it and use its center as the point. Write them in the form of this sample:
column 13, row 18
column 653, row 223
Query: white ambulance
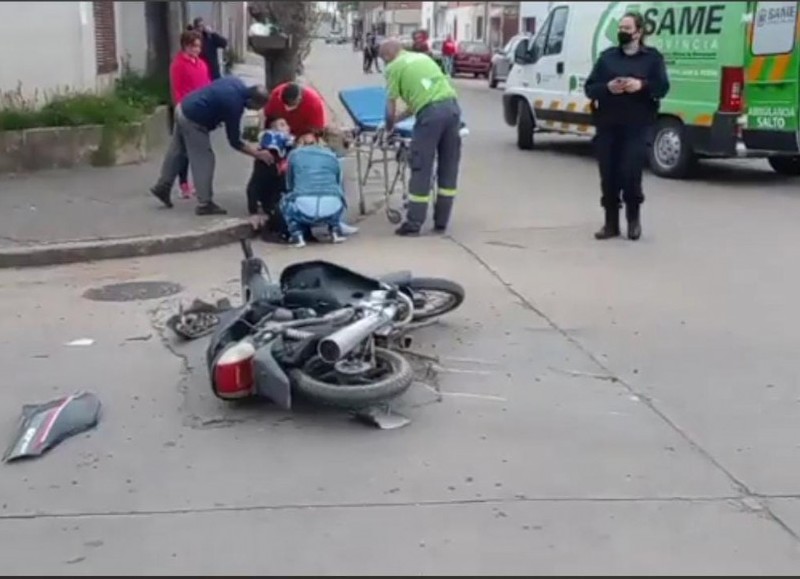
column 734, row 70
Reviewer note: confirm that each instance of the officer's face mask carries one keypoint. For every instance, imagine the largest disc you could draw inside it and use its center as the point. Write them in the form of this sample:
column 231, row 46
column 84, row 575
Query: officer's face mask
column 624, row 37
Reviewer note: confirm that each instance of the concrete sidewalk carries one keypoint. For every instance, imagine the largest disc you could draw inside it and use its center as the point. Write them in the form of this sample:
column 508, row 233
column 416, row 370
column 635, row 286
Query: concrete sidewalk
column 85, row 214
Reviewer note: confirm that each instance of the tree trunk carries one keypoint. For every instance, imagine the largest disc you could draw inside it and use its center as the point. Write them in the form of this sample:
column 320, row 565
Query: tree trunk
column 280, row 69
column 297, row 20
column 158, row 50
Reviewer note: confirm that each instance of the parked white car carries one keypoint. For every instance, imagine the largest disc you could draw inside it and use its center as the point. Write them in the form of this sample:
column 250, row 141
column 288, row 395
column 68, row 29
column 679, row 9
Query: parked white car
column 503, row 60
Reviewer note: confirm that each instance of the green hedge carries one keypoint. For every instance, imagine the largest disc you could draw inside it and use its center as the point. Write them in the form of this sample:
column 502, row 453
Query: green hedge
column 133, row 97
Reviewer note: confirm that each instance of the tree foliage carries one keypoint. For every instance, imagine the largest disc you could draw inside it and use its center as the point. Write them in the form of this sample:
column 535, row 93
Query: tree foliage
column 298, row 20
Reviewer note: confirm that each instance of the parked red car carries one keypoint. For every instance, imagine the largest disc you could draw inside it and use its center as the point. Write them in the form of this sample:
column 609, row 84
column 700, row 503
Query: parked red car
column 472, row 58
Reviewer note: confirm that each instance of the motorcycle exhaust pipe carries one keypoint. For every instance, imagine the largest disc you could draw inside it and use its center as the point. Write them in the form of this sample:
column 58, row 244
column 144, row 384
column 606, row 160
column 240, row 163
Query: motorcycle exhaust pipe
column 340, row 343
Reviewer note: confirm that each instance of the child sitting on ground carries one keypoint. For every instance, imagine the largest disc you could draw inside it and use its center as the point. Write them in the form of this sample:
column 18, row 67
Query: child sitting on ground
column 267, row 181
column 277, row 140
column 315, row 192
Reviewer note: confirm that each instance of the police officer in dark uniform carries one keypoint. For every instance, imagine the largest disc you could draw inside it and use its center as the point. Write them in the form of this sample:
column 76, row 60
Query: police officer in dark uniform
column 625, row 87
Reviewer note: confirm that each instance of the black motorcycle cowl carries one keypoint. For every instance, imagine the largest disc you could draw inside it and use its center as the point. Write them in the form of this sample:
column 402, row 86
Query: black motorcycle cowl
column 42, row 426
column 343, row 285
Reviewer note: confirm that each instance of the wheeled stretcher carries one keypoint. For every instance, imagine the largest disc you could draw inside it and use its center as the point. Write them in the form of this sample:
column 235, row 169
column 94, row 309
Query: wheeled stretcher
column 376, row 148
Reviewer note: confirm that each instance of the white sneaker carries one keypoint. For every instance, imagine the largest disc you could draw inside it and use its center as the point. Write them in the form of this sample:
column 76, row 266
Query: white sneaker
column 337, row 237
column 347, row 230
column 297, row 241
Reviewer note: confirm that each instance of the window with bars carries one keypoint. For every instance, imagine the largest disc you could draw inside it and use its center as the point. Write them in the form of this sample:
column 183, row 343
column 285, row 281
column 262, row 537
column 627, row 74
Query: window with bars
column 105, row 36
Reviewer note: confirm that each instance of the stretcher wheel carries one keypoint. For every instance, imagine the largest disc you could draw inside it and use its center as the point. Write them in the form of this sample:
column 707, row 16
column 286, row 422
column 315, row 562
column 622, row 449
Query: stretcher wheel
column 394, row 216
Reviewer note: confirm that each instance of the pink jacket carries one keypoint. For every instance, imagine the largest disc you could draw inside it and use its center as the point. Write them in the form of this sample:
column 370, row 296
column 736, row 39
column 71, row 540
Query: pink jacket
column 186, row 75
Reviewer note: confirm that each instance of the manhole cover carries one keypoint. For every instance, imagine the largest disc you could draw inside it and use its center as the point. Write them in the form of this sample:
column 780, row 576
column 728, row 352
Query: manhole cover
column 133, row 291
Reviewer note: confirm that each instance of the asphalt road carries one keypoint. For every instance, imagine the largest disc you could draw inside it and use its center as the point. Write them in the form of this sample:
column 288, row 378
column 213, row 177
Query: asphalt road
column 611, row 408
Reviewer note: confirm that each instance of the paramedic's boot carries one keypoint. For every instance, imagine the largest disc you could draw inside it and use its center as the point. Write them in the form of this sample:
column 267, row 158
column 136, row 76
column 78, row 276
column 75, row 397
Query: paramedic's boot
column 611, row 227
column 415, row 217
column 633, row 215
column 407, row 229
column 442, row 210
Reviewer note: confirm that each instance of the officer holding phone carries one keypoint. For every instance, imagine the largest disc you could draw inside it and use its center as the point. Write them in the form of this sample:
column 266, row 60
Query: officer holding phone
column 625, row 87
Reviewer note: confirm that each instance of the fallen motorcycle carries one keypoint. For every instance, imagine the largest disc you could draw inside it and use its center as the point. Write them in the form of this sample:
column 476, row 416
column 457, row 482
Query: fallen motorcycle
column 323, row 331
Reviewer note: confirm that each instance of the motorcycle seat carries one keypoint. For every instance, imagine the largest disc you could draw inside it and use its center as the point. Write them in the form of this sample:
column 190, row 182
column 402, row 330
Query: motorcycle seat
column 318, row 299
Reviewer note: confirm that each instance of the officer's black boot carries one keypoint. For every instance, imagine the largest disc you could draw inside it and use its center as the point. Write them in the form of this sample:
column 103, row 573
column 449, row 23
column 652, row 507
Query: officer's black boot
column 610, row 228
column 632, row 213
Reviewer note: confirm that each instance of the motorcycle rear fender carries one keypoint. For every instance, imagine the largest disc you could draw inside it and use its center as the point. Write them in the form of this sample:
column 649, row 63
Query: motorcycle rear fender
column 224, row 334
column 271, row 381
column 397, row 278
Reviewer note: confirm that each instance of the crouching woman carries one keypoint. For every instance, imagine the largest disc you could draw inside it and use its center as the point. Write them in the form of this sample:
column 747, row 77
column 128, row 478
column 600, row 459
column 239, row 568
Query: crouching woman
column 315, row 192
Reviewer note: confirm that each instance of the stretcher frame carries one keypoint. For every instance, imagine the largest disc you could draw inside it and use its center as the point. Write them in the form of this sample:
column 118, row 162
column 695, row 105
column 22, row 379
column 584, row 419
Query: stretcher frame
column 389, row 151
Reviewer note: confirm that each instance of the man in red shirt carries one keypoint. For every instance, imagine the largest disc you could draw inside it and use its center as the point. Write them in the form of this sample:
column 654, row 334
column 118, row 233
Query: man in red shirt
column 301, row 106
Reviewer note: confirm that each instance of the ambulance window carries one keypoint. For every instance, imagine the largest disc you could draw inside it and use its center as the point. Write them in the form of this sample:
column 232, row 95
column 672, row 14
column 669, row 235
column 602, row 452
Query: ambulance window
column 538, row 45
column 774, row 25
column 558, row 27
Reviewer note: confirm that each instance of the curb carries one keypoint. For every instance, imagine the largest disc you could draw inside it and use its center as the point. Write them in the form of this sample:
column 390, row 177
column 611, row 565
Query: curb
column 228, row 231
column 221, row 233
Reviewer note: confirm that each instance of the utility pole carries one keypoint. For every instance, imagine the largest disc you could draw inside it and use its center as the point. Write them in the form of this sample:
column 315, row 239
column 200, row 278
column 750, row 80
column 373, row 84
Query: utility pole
column 485, row 31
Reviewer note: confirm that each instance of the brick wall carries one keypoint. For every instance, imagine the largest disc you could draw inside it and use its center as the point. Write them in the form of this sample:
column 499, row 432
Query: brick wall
column 105, row 36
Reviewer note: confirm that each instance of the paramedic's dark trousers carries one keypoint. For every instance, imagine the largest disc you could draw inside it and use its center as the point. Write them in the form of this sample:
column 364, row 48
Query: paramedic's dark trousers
column 436, row 136
column 192, row 141
column 621, row 153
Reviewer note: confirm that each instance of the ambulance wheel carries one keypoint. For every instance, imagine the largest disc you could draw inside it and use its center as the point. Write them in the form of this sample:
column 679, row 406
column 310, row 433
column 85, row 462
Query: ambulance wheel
column 671, row 155
column 525, row 126
column 789, row 166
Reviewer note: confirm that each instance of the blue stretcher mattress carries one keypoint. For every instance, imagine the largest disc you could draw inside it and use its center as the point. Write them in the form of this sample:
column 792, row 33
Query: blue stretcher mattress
column 367, row 107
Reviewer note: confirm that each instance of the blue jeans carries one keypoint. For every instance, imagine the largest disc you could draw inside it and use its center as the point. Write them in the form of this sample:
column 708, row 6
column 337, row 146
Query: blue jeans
column 448, row 65
column 297, row 222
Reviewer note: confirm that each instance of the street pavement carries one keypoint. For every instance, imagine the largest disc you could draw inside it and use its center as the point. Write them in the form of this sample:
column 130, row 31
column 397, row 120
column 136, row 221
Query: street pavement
column 602, row 408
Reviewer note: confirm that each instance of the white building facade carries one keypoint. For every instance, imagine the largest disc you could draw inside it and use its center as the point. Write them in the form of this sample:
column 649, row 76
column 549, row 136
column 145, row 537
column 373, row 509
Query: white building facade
column 532, row 15
column 58, row 47
column 61, row 47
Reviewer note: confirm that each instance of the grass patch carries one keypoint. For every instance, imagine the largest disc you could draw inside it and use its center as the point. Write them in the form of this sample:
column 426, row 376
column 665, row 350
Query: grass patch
column 133, row 97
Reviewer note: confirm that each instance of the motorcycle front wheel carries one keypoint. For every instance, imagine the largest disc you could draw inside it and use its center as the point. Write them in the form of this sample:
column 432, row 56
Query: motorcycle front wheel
column 318, row 381
column 434, row 297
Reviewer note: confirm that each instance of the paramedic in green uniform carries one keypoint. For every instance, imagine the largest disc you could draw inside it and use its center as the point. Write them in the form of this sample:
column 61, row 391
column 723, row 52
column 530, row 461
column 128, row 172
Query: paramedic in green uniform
column 429, row 96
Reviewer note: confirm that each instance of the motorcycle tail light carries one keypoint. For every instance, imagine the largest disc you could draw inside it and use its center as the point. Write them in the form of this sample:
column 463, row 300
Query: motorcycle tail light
column 234, row 376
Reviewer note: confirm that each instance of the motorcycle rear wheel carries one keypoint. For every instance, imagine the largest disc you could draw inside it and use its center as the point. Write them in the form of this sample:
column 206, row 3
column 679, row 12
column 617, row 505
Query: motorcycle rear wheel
column 451, row 292
column 395, row 378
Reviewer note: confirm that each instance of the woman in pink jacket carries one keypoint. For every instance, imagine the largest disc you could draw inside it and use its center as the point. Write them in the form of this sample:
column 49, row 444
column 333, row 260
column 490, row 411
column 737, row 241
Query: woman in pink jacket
column 187, row 73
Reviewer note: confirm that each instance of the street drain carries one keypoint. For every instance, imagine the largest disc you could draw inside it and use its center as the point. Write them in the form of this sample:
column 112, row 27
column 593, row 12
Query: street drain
column 132, row 291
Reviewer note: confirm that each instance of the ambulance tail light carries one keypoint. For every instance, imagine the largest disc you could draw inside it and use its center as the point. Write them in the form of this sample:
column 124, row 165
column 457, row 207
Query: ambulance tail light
column 731, row 98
